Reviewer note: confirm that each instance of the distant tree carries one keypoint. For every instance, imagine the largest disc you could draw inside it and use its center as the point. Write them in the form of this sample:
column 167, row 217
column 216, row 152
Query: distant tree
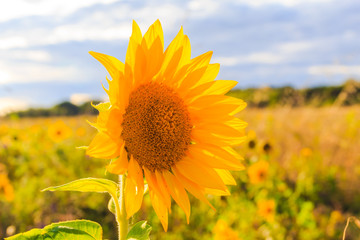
column 65, row 109
column 87, row 109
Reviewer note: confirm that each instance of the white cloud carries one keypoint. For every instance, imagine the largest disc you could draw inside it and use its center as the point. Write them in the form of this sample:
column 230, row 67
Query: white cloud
column 15, row 9
column 226, row 61
column 87, row 31
column 36, row 72
column 80, row 98
column 295, row 47
column 8, row 105
column 280, row 53
column 287, row 3
column 4, row 76
column 114, row 24
column 257, row 57
column 329, row 70
column 7, row 42
column 203, row 8
column 264, row 58
column 30, row 55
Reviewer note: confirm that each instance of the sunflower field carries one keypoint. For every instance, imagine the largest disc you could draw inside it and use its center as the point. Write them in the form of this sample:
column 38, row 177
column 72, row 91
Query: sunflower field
column 301, row 179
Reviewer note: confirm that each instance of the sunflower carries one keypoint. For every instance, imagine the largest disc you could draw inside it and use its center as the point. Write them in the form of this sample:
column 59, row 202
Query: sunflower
column 59, row 131
column 5, row 184
column 267, row 209
column 167, row 120
column 258, row 172
column 222, row 231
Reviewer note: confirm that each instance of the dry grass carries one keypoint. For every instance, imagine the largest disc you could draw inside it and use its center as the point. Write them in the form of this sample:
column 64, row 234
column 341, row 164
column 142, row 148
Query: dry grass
column 331, row 133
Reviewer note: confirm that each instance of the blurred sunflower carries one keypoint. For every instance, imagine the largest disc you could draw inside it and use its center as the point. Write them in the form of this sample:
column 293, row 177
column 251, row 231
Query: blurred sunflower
column 59, row 131
column 251, row 139
column 266, row 209
column 306, row 152
column 169, row 120
column 3, row 129
column 222, row 231
column 5, row 184
column 258, row 172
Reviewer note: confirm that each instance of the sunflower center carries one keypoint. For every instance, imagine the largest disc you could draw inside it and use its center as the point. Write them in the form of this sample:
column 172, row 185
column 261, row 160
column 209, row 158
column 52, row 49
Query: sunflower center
column 156, row 127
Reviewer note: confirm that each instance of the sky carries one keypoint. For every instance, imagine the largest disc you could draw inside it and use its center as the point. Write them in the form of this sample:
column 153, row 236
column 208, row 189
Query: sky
column 44, row 44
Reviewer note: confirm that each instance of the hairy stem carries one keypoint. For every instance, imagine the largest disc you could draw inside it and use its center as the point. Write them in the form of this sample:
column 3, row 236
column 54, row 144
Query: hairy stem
column 120, row 210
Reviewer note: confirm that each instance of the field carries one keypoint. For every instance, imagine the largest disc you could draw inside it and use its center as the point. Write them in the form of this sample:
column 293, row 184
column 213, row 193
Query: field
column 301, row 180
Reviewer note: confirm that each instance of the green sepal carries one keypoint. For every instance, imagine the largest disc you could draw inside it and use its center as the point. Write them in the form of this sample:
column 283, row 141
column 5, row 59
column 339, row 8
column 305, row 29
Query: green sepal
column 111, row 206
column 69, row 230
column 140, row 231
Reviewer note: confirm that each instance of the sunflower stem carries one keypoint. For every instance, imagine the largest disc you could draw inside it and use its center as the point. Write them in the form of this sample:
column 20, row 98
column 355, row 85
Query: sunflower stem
column 121, row 211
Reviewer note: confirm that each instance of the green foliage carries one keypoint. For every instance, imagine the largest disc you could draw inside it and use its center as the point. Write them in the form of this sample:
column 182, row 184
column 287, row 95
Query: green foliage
column 140, row 231
column 344, row 95
column 111, row 206
column 62, row 109
column 34, row 161
column 99, row 185
column 313, row 179
column 70, row 230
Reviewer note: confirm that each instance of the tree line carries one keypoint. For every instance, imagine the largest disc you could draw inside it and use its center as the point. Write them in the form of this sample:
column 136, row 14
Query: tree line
column 343, row 95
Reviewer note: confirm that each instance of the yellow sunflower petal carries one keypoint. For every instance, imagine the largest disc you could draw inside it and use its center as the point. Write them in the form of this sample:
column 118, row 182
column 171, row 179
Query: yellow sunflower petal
column 153, row 33
column 120, row 165
column 134, row 42
column 197, row 152
column 196, row 70
column 154, row 58
column 218, row 87
column 210, row 74
column 226, row 176
column 103, row 146
column 205, row 76
column 113, row 124
column 176, row 56
column 178, row 193
column 236, row 123
column 118, row 86
column 203, row 102
column 109, row 121
column 160, row 209
column 154, row 186
column 130, row 59
column 217, row 192
column 102, row 107
column 139, row 67
column 231, row 159
column 134, row 188
column 112, row 64
column 222, row 130
column 149, row 54
column 204, row 176
column 164, row 189
column 205, row 137
column 192, row 187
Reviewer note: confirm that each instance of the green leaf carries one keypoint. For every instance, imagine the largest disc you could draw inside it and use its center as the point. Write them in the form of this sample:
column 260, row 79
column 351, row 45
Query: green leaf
column 111, row 206
column 140, row 231
column 70, row 230
column 100, row 185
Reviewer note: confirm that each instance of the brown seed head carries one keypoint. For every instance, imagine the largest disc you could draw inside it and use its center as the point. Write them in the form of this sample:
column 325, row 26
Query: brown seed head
column 156, row 126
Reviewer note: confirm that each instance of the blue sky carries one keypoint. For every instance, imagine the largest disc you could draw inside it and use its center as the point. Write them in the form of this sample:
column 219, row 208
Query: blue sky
column 44, row 44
